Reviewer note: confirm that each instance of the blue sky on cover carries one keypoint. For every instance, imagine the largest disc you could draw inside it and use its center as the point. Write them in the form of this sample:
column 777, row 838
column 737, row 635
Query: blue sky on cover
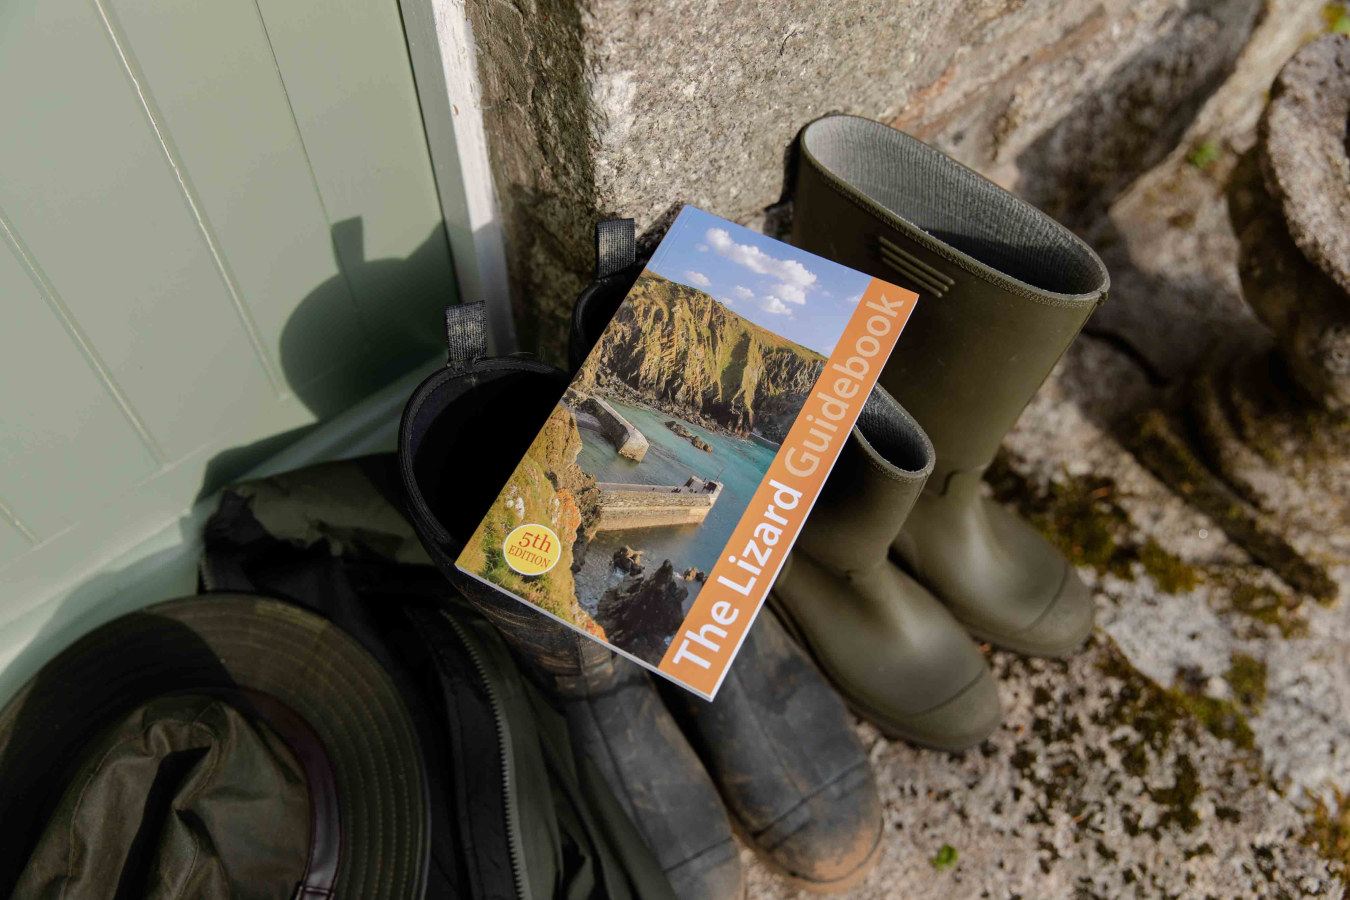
column 788, row 291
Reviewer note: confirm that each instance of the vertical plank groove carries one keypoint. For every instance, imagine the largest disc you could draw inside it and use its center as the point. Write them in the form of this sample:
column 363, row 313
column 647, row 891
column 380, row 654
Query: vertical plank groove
column 129, row 67
column 72, row 328
column 9, row 516
column 313, row 179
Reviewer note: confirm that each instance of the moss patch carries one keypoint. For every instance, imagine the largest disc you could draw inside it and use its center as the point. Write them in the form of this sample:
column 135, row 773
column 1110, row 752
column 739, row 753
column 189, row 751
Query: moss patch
column 1329, row 829
column 1157, row 716
column 1247, row 677
column 945, row 859
column 1267, row 606
column 1179, row 798
column 1157, row 442
column 1221, row 718
column 1205, row 154
column 1336, row 18
column 1156, row 713
column 1169, row 572
column 1144, row 707
column 1082, row 516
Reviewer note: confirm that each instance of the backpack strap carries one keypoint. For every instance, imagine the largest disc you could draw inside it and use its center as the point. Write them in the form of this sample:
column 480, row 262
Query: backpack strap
column 615, row 246
column 465, row 334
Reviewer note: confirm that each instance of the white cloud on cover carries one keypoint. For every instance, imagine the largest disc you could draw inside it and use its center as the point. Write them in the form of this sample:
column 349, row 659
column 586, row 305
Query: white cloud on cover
column 854, row 300
column 774, row 306
column 697, row 278
column 791, row 293
column 788, row 271
column 743, row 292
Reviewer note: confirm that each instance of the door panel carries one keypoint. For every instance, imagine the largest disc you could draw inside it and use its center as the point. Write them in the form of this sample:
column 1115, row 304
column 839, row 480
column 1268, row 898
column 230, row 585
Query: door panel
column 102, row 211
column 12, row 542
column 66, row 442
column 218, row 94
column 220, row 226
column 348, row 104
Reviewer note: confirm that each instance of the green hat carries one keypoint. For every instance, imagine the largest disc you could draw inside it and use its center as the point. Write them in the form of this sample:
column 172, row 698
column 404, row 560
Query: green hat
column 216, row 746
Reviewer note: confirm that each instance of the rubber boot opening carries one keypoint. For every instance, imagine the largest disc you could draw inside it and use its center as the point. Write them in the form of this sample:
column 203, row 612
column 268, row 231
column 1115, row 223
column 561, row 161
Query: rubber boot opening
column 937, row 195
column 473, row 431
column 894, row 435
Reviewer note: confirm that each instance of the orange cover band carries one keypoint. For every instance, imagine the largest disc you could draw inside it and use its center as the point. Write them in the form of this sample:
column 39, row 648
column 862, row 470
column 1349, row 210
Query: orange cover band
column 707, row 641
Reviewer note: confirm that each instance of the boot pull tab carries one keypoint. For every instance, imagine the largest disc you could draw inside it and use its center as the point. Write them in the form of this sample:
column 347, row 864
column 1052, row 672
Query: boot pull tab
column 465, row 334
column 615, row 246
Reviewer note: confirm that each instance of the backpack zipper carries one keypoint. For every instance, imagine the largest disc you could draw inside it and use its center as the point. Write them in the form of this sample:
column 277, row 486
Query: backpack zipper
column 513, row 838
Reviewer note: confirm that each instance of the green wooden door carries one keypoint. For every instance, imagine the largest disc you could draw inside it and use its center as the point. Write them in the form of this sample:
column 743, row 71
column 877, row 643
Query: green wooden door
column 218, row 225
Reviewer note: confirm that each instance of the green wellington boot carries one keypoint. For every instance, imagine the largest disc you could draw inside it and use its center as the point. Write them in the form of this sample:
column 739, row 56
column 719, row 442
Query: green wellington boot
column 895, row 653
column 778, row 743
column 1003, row 289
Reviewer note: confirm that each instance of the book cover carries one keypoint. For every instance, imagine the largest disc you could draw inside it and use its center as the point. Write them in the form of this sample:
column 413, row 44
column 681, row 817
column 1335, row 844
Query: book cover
column 657, row 504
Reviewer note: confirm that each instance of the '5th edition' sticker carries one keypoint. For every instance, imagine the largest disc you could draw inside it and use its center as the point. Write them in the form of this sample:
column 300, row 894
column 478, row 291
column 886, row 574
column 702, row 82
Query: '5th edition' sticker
column 532, row 549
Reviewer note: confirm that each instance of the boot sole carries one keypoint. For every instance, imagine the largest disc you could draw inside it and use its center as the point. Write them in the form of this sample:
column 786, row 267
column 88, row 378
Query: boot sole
column 837, row 886
column 1004, row 643
column 887, row 727
column 1010, row 642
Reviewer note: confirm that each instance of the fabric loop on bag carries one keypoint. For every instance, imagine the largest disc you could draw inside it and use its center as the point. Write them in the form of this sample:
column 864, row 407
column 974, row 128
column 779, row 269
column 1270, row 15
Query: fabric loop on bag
column 465, row 334
column 615, row 246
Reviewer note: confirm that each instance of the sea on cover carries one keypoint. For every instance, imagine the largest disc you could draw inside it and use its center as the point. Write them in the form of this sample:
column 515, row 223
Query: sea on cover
column 670, row 460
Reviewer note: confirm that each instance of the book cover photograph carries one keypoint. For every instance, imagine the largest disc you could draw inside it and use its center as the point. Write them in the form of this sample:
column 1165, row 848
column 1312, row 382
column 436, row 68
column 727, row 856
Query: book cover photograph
column 657, row 504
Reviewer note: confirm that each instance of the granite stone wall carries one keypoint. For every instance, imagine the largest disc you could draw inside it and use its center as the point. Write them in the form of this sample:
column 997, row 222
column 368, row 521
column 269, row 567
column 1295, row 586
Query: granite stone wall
column 634, row 107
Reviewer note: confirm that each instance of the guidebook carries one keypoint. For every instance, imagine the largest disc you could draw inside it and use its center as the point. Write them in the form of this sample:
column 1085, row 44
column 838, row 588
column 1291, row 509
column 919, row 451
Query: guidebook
column 656, row 506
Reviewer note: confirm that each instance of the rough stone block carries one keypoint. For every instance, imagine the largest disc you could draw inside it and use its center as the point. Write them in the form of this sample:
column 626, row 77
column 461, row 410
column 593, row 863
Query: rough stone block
column 634, row 107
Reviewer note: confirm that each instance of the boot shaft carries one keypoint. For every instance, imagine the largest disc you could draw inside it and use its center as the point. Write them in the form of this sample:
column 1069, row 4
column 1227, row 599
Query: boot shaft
column 1003, row 288
column 871, row 489
column 455, row 450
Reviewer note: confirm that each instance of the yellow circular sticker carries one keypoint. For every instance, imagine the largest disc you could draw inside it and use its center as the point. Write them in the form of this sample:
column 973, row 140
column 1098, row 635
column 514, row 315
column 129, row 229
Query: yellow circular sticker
column 532, row 549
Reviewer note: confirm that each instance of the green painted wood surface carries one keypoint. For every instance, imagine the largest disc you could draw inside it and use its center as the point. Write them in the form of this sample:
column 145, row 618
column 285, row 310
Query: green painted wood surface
column 218, row 226
column 63, row 432
column 163, row 564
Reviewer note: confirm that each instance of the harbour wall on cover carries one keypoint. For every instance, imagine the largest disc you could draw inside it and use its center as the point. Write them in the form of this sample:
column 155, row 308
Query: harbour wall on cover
column 627, row 506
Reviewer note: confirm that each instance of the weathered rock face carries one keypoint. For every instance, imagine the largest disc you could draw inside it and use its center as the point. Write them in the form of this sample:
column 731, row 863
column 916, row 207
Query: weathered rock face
column 1136, row 115
column 631, row 107
column 1166, row 237
column 1179, row 755
column 1307, row 312
column 677, row 346
column 1271, row 454
column 626, row 559
column 689, row 436
column 1292, row 218
column 640, row 613
column 1304, row 154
